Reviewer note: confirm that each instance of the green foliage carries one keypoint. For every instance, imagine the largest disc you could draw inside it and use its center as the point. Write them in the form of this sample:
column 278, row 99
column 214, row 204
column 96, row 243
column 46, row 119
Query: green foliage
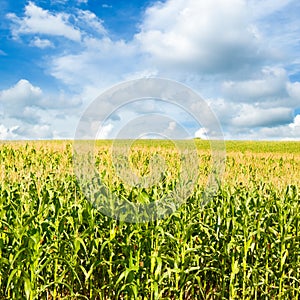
column 243, row 244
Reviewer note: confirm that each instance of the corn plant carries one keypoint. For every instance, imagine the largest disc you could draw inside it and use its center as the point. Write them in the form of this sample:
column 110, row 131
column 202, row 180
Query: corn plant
column 242, row 244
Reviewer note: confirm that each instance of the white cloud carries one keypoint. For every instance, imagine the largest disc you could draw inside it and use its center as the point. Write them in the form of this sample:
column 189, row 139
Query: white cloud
column 26, row 131
column 104, row 131
column 92, row 21
column 272, row 84
column 283, row 132
column 40, row 21
column 150, row 125
column 23, row 94
column 26, row 112
column 251, row 116
column 201, row 133
column 37, row 131
column 293, row 90
column 7, row 133
column 255, row 121
column 199, row 35
column 58, row 1
column 296, row 124
column 279, row 22
column 229, row 50
column 41, row 43
column 2, row 53
column 172, row 125
column 224, row 110
column 20, row 95
column 21, row 102
column 101, row 63
column 106, row 5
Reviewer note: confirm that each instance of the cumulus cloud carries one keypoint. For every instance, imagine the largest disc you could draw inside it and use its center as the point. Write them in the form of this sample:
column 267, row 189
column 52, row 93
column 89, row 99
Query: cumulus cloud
column 201, row 133
column 41, row 43
column 22, row 94
column 26, row 112
column 7, row 133
column 214, row 37
column 151, row 126
column 255, row 121
column 104, row 131
column 271, row 89
column 21, row 102
column 296, row 124
column 293, row 90
column 250, row 116
column 37, row 131
column 206, row 36
column 101, row 63
column 225, row 48
column 26, row 132
column 39, row 21
column 272, row 84
column 282, row 132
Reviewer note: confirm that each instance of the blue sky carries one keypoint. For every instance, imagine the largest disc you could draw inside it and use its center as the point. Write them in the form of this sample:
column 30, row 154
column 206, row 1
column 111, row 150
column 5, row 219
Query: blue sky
column 242, row 57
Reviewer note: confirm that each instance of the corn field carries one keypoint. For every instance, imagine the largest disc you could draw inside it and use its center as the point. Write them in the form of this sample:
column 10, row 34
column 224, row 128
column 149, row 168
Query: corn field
column 242, row 244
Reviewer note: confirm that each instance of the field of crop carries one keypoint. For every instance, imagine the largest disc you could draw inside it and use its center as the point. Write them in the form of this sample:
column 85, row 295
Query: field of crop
column 242, row 244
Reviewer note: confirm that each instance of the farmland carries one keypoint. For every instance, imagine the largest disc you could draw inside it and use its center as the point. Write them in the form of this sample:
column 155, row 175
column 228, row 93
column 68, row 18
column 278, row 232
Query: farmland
column 242, row 244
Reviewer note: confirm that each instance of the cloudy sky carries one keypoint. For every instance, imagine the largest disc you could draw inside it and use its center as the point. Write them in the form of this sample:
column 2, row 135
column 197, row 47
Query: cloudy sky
column 242, row 57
